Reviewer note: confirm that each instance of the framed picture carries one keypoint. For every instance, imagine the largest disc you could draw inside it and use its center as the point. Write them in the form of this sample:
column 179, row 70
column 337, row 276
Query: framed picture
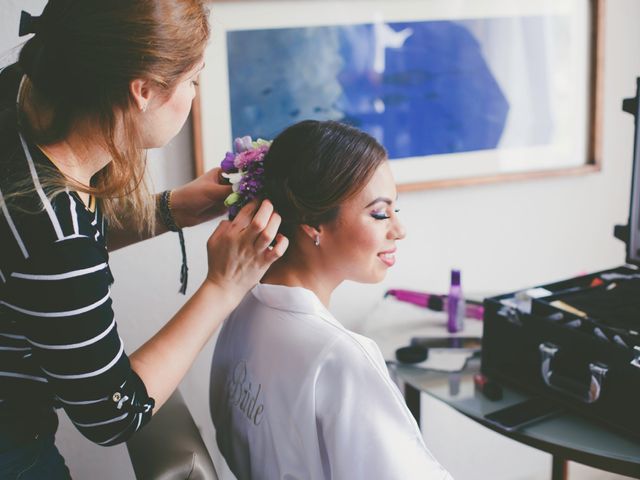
column 465, row 92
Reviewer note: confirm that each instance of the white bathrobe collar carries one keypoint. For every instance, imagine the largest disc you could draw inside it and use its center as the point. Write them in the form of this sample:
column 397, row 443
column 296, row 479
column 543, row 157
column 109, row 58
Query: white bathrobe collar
column 292, row 299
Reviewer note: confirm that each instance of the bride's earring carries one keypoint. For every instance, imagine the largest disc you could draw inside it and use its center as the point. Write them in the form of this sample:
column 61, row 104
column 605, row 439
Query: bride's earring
column 316, row 241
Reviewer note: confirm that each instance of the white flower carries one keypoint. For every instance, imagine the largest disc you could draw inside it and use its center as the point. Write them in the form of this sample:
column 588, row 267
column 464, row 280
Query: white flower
column 234, row 179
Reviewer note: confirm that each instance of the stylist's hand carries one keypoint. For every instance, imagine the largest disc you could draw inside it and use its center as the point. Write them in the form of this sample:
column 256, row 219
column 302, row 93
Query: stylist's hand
column 239, row 252
column 199, row 200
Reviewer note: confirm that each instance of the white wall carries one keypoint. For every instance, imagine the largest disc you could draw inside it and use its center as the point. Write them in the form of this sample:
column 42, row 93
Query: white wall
column 503, row 236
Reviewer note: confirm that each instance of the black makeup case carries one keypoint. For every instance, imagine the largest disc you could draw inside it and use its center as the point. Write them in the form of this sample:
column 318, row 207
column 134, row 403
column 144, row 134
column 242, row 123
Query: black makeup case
column 577, row 341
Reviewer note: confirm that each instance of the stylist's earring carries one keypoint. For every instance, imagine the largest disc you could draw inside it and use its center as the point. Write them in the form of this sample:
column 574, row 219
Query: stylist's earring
column 316, row 241
column 143, row 108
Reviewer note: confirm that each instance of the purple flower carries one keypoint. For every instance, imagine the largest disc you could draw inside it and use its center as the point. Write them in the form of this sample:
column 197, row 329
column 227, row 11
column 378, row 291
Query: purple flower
column 247, row 157
column 242, row 144
column 228, row 164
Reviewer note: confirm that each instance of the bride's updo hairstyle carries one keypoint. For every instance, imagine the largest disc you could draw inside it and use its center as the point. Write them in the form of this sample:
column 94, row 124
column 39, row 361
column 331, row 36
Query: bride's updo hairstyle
column 312, row 167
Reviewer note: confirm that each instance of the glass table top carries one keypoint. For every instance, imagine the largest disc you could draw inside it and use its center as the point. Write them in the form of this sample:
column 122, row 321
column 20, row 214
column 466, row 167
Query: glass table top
column 563, row 433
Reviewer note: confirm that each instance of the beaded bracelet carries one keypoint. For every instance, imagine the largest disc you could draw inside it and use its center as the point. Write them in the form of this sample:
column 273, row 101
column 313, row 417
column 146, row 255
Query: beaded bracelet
column 164, row 208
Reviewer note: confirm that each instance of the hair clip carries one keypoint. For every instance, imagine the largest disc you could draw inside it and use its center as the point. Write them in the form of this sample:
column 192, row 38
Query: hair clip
column 28, row 24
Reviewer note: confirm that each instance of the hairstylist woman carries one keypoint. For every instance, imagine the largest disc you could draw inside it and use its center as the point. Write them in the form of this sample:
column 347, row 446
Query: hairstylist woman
column 98, row 83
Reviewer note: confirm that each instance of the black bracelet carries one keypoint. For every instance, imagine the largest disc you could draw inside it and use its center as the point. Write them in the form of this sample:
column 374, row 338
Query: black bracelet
column 164, row 207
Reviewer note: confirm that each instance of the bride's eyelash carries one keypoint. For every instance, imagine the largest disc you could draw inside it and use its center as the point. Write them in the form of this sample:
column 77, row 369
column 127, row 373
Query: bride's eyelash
column 195, row 83
column 383, row 215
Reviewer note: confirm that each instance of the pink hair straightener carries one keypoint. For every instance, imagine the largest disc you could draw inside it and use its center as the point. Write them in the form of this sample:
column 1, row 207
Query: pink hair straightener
column 437, row 303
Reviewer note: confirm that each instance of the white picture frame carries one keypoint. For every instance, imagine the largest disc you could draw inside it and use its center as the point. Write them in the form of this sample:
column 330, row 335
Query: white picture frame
column 550, row 125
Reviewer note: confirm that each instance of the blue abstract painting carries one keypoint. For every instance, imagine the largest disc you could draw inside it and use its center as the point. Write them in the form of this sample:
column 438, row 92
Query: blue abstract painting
column 421, row 88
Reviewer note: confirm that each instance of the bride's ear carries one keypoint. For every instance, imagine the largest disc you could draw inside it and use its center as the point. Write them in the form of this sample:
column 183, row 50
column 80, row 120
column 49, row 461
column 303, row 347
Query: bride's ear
column 314, row 233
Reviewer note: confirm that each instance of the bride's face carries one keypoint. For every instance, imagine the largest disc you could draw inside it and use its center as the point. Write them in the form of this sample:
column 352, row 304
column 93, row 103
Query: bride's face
column 360, row 243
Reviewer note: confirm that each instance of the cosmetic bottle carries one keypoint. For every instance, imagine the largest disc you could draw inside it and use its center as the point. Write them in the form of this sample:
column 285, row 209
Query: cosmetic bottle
column 455, row 304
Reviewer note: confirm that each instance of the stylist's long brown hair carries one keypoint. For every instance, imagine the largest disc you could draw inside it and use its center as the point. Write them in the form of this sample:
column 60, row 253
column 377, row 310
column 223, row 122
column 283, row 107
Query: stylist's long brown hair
column 78, row 67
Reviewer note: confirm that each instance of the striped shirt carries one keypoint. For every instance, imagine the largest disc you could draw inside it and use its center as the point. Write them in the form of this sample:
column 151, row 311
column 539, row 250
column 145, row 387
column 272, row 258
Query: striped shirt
column 59, row 343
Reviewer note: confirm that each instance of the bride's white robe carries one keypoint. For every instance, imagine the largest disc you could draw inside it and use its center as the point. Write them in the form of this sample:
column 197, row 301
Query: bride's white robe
column 295, row 395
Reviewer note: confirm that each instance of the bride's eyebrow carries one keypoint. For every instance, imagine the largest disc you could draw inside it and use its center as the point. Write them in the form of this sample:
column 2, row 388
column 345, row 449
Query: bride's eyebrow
column 386, row 200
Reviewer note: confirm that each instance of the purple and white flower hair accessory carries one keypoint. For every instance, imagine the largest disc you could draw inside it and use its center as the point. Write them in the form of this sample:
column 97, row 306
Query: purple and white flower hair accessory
column 244, row 169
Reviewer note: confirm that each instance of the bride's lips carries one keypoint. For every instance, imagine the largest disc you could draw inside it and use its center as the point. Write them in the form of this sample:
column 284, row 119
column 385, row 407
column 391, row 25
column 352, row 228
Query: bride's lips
column 388, row 257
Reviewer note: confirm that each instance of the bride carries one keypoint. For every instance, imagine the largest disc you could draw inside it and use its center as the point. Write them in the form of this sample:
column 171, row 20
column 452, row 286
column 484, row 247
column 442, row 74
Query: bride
column 293, row 394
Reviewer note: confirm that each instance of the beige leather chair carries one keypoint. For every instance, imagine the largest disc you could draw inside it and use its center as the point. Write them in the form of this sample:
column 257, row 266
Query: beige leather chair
column 170, row 447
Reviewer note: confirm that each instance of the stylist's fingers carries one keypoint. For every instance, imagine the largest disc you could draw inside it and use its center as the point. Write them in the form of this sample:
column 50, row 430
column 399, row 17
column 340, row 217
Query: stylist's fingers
column 279, row 247
column 215, row 175
column 260, row 220
column 268, row 233
column 245, row 215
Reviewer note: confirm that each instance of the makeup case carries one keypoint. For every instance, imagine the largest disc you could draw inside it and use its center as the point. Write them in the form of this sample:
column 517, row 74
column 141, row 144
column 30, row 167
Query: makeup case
column 577, row 341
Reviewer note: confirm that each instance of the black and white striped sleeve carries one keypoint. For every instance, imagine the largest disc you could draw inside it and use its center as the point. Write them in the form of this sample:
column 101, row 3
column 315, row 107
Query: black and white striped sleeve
column 61, row 298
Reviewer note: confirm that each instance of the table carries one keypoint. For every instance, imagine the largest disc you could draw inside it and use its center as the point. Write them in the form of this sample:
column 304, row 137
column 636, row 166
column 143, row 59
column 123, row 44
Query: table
column 565, row 436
